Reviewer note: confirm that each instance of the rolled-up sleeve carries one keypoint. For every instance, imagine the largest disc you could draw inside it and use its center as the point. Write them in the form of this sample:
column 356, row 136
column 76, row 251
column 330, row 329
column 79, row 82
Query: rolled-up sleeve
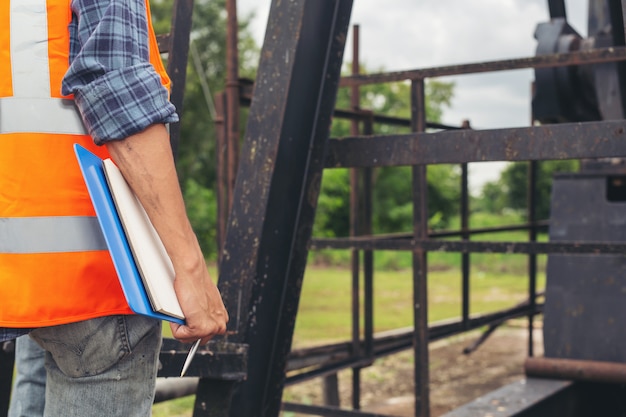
column 116, row 89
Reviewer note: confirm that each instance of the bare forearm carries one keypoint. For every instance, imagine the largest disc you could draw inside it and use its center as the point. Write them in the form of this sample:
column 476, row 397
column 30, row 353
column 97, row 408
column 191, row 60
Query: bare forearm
column 146, row 161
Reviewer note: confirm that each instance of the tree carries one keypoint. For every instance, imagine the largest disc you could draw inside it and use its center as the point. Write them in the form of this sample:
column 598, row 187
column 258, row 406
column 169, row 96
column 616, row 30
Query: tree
column 392, row 194
column 196, row 160
column 511, row 189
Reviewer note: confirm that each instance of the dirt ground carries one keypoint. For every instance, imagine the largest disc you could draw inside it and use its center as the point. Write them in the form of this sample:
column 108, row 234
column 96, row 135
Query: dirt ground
column 455, row 378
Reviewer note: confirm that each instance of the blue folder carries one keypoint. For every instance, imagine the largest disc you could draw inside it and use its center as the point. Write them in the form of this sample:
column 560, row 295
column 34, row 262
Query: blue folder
column 127, row 272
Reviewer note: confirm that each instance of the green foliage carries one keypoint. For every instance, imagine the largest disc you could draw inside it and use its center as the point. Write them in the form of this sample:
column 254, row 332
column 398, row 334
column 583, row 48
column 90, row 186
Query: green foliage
column 392, row 193
column 333, row 205
column 511, row 190
column 201, row 206
column 196, row 159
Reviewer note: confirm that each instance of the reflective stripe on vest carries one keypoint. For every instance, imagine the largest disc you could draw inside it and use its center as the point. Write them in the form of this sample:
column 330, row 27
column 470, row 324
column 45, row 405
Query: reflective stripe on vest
column 29, row 48
column 50, row 235
column 32, row 107
column 43, row 115
column 54, row 266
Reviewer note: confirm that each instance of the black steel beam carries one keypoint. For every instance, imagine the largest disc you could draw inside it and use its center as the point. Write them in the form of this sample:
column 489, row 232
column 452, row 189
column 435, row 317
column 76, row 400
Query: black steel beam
column 7, row 360
column 178, row 51
column 275, row 195
column 434, row 245
column 217, row 360
column 563, row 141
column 557, row 8
column 595, row 56
column 327, row 411
column 326, row 360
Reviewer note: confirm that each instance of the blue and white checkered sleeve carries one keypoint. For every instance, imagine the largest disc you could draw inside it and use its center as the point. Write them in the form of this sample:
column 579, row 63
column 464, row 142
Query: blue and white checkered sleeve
column 116, row 89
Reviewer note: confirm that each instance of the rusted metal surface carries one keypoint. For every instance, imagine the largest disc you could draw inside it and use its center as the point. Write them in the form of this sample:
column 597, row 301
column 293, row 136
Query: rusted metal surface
column 526, row 398
column 232, row 97
column 576, row 140
column 324, row 360
column 576, row 370
column 601, row 55
column 276, row 190
column 178, row 51
column 365, row 243
column 327, row 411
column 356, row 191
column 565, row 141
column 217, row 360
column 420, row 269
column 223, row 186
column 584, row 307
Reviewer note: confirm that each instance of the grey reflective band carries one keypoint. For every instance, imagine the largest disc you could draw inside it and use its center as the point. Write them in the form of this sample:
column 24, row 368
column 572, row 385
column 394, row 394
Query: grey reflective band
column 40, row 115
column 31, row 108
column 27, row 235
column 30, row 68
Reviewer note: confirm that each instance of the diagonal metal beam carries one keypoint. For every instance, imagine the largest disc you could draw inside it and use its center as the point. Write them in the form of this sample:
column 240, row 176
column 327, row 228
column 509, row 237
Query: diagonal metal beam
column 276, row 192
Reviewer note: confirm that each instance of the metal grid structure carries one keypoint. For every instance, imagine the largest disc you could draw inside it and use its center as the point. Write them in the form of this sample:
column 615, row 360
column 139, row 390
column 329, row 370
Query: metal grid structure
column 268, row 234
column 364, row 151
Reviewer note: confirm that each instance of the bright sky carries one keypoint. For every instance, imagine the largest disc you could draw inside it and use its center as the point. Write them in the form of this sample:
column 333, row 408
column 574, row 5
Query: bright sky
column 413, row 34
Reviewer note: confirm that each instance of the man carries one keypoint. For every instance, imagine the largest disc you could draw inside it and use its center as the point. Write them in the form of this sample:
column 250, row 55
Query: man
column 56, row 275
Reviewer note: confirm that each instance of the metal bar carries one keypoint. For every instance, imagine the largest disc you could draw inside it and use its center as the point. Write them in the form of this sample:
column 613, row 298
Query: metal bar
column 171, row 388
column 331, row 390
column 368, row 255
column 557, row 8
column 576, row 370
column 362, row 115
column 327, row 360
column 223, row 189
column 355, row 197
column 538, row 225
column 616, row 14
column 563, row 141
column 420, row 269
column 594, row 56
column 532, row 258
column 616, row 11
column 217, row 360
column 327, row 411
column 532, row 307
column 564, row 248
column 177, row 61
column 7, row 361
column 265, row 251
column 213, row 398
column 465, row 257
column 232, row 96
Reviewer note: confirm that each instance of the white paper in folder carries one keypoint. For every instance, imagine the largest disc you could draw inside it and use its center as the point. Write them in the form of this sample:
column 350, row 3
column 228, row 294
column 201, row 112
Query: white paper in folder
column 151, row 258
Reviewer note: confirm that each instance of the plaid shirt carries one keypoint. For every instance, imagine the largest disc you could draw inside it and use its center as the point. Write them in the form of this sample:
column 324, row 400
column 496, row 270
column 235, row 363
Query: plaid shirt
column 115, row 87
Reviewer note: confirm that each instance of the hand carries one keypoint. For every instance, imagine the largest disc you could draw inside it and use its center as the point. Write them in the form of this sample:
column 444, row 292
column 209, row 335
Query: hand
column 205, row 314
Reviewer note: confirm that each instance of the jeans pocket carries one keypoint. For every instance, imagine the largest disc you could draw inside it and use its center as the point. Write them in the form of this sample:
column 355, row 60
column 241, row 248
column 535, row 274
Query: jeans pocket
column 86, row 348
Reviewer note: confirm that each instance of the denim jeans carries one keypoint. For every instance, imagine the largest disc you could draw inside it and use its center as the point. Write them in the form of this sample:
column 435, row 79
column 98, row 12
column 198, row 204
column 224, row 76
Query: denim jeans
column 29, row 386
column 104, row 367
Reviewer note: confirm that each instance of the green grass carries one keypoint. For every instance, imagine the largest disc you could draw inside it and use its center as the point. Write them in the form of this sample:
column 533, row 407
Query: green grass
column 497, row 281
column 325, row 307
column 325, row 316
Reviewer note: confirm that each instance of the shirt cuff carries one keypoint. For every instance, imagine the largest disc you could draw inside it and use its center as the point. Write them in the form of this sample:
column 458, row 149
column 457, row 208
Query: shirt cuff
column 124, row 102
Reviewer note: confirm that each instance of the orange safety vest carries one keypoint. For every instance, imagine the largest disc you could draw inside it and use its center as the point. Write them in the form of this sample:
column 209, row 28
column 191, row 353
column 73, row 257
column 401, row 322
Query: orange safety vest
column 54, row 265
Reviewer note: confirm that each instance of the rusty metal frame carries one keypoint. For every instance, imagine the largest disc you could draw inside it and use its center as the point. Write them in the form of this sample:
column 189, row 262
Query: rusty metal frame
column 276, row 190
column 459, row 145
